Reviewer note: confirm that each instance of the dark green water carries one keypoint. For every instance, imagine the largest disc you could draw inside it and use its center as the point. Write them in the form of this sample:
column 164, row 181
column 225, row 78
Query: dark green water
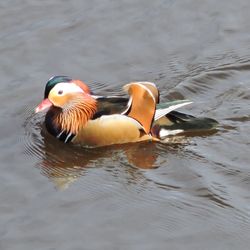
column 189, row 195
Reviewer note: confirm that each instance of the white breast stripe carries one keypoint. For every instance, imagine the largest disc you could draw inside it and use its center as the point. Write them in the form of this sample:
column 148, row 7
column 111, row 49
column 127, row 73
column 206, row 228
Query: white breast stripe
column 67, row 138
column 58, row 136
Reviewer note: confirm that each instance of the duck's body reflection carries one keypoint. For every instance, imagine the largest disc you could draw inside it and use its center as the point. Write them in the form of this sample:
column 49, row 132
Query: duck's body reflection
column 64, row 163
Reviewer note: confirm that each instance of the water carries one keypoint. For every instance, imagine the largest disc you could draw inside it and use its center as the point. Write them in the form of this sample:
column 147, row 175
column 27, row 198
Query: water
column 188, row 195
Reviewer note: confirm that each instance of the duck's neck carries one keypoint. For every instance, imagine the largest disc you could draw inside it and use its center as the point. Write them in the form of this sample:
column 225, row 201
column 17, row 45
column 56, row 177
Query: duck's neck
column 65, row 123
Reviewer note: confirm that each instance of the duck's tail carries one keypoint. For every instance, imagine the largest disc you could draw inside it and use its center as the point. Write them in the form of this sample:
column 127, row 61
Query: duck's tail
column 168, row 122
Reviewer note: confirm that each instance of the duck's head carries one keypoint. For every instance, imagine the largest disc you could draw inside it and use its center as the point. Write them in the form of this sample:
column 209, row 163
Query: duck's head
column 69, row 102
column 65, row 83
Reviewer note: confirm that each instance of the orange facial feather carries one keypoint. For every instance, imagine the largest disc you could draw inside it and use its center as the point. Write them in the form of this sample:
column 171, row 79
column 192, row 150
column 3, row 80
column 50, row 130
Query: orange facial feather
column 82, row 85
column 77, row 110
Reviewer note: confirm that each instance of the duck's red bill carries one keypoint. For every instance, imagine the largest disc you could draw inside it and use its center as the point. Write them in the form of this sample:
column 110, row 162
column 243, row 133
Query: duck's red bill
column 45, row 104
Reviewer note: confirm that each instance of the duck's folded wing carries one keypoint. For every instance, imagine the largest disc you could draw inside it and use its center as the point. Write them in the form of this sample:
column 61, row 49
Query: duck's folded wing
column 109, row 105
column 179, row 123
column 163, row 109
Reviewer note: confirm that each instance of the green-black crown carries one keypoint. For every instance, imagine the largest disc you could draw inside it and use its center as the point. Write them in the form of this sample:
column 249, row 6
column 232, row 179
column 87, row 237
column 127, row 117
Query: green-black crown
column 53, row 81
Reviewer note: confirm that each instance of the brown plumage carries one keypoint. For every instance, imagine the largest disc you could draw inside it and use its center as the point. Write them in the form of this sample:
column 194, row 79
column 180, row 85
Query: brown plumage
column 142, row 95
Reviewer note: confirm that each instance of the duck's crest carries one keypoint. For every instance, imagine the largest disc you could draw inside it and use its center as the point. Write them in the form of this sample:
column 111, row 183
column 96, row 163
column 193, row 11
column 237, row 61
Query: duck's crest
column 53, row 81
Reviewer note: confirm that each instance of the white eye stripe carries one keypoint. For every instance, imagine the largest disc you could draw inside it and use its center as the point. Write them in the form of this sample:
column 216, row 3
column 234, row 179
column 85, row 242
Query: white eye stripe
column 63, row 88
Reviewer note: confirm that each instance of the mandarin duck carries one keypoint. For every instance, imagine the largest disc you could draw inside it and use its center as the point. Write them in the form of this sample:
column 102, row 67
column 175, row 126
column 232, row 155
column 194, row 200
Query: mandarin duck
column 76, row 115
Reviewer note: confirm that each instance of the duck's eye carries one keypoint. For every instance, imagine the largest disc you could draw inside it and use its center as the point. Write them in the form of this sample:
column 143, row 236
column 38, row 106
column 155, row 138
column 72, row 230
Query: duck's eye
column 60, row 92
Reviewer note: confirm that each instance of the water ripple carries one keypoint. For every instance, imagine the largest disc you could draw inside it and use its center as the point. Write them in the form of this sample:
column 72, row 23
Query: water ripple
column 32, row 140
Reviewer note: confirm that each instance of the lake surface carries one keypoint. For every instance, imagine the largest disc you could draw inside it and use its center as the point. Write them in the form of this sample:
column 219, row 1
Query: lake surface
column 187, row 194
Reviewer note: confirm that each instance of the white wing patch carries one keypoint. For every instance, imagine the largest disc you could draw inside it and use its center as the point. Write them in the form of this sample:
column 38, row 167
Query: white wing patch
column 161, row 112
column 165, row 132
